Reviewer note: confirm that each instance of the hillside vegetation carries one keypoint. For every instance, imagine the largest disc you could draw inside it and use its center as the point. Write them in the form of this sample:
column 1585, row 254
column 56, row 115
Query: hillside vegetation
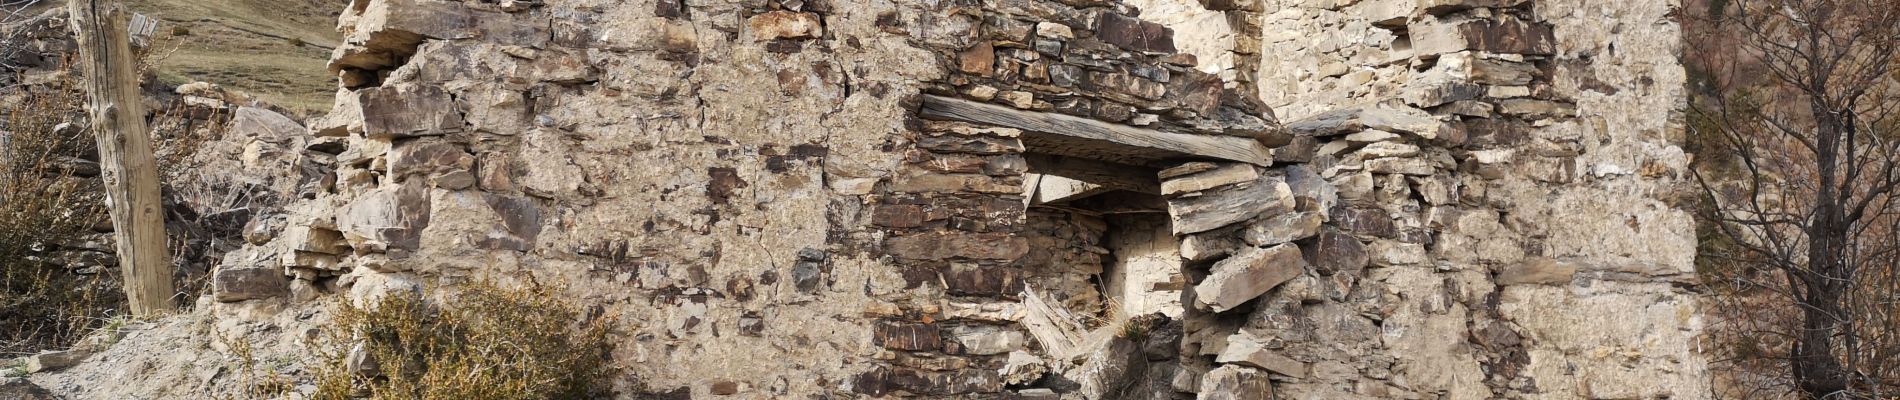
column 272, row 49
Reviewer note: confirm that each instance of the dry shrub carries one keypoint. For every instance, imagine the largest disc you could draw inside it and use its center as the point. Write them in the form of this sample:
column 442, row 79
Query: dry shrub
column 44, row 206
column 52, row 199
column 484, row 342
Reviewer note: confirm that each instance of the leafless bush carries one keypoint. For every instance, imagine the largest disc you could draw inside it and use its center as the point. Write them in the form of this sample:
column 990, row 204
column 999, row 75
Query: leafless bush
column 46, row 203
column 1797, row 124
column 52, row 214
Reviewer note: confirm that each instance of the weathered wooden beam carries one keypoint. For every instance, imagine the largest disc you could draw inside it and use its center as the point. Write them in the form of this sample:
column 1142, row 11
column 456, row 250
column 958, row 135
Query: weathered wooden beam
column 125, row 153
column 1087, row 138
column 1107, row 174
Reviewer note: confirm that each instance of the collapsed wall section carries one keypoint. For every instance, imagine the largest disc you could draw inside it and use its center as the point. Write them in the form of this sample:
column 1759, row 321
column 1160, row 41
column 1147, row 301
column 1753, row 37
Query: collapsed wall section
column 1534, row 245
column 810, row 198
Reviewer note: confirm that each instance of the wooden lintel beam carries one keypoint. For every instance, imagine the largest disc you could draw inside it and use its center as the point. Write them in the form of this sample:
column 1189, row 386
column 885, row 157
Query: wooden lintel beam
column 1102, row 135
column 1107, row 174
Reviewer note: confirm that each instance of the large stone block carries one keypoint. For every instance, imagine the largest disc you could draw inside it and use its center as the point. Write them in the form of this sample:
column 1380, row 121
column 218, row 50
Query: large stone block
column 885, row 380
column 402, row 111
column 1336, row 252
column 385, row 218
column 1134, row 34
column 1232, row 204
column 1247, row 274
column 239, row 283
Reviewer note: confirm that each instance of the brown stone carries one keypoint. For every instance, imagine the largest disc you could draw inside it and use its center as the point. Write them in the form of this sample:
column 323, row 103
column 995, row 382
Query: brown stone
column 54, row 360
column 1133, row 34
column 23, row 389
column 408, row 111
column 898, row 216
column 908, row 336
column 724, row 388
column 979, row 59
column 1197, row 92
column 888, row 379
column 1442, row 7
column 1335, row 252
column 240, row 283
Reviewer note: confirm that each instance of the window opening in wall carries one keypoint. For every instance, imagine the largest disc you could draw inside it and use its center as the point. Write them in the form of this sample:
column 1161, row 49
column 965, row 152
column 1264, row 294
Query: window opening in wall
column 1110, row 216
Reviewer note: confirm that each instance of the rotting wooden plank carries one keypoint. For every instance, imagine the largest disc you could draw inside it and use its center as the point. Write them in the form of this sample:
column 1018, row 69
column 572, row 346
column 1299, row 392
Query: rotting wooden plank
column 1053, row 326
column 126, row 161
column 1105, row 137
column 1107, row 174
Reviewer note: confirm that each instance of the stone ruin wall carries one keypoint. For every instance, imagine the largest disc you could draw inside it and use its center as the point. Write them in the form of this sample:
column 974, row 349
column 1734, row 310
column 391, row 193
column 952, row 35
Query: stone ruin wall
column 1469, row 198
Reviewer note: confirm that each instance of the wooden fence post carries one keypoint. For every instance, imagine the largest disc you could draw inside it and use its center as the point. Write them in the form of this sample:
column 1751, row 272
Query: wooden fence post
column 125, row 152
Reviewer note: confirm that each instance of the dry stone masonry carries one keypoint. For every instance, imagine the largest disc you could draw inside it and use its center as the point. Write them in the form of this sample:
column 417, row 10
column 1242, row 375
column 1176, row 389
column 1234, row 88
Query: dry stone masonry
column 1095, row 199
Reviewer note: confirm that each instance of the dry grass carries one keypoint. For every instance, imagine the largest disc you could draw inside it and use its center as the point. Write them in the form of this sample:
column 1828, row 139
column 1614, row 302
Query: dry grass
column 485, row 342
column 51, row 198
column 249, row 45
column 43, row 206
